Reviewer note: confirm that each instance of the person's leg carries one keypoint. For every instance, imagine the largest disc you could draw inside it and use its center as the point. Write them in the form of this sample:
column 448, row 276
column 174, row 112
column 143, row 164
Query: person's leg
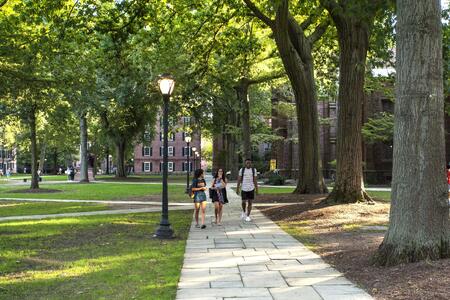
column 203, row 204
column 216, row 210
column 249, row 207
column 197, row 209
column 220, row 212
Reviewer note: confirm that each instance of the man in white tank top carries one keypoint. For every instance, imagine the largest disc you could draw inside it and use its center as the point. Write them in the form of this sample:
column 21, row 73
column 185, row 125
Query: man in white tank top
column 247, row 177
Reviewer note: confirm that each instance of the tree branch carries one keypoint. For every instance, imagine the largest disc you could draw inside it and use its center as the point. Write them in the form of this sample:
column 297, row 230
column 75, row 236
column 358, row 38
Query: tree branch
column 319, row 31
column 259, row 14
column 266, row 78
column 334, row 8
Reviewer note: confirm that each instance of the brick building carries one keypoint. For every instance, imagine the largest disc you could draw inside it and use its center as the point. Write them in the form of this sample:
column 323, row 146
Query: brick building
column 148, row 156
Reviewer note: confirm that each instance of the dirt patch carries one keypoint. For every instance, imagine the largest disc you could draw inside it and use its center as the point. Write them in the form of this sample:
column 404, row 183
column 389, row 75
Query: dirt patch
column 35, row 191
column 288, row 198
column 340, row 235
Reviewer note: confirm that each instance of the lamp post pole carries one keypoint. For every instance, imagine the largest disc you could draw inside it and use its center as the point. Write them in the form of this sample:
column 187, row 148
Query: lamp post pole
column 188, row 167
column 164, row 230
column 194, row 149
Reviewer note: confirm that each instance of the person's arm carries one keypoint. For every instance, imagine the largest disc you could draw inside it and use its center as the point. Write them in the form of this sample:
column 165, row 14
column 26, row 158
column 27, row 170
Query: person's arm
column 224, row 183
column 239, row 183
column 255, row 181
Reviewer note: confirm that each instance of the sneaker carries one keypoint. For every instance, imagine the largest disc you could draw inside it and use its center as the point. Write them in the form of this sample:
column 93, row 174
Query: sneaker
column 248, row 219
column 203, row 226
column 197, row 226
column 243, row 215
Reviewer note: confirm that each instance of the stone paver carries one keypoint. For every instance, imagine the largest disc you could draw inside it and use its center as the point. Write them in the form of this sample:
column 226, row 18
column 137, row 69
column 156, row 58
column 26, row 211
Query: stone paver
column 255, row 261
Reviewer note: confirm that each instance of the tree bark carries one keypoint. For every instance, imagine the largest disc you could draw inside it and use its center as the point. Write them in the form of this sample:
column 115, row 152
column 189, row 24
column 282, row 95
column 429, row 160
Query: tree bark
column 83, row 149
column 55, row 161
column 242, row 95
column 419, row 216
column 353, row 44
column 107, row 161
column 34, row 165
column 295, row 52
column 120, row 153
column 43, row 148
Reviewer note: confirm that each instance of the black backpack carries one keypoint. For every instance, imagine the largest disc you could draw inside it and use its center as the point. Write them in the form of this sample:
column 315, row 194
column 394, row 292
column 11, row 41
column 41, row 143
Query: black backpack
column 242, row 173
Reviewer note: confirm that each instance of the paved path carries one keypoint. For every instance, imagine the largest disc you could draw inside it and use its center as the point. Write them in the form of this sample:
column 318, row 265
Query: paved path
column 255, row 260
column 97, row 201
column 90, row 213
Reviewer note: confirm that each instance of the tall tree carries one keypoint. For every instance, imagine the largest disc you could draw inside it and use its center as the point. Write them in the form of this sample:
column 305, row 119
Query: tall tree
column 419, row 216
column 295, row 47
column 354, row 20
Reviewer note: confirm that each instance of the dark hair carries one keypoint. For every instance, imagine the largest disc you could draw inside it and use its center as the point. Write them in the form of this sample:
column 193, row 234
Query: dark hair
column 248, row 159
column 216, row 175
column 198, row 173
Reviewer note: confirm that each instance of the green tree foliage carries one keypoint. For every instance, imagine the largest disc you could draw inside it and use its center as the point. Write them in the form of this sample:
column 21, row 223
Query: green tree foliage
column 379, row 129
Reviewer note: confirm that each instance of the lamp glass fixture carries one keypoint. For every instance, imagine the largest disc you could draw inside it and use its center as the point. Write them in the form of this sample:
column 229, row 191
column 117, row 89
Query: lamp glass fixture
column 166, row 84
column 188, row 139
column 194, row 149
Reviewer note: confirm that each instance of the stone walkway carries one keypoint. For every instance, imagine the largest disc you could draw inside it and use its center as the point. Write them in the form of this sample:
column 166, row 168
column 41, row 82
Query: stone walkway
column 255, row 261
column 91, row 213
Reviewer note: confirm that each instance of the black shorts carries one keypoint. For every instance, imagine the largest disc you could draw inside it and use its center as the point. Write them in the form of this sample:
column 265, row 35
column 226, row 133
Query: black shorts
column 248, row 195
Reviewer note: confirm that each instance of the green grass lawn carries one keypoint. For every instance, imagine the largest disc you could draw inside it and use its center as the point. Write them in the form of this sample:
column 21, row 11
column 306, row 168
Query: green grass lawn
column 19, row 208
column 145, row 178
column 96, row 257
column 100, row 191
column 379, row 195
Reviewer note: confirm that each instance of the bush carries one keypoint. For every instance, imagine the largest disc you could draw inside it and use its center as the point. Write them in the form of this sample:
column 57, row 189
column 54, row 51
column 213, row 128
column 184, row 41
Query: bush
column 275, row 179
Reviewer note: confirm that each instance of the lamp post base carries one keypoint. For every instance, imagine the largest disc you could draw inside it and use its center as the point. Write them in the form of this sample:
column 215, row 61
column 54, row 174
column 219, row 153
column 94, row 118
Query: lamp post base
column 164, row 232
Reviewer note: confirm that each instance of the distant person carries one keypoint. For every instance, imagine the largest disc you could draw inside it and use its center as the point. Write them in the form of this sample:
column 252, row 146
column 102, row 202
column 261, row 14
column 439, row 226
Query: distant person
column 25, row 170
column 247, row 178
column 448, row 179
column 72, row 173
column 1, row 172
column 60, row 171
column 8, row 173
column 199, row 188
column 219, row 194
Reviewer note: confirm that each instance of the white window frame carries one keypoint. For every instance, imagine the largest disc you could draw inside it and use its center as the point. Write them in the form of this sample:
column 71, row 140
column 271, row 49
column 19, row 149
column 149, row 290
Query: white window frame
column 145, row 151
column 170, row 151
column 147, row 167
column 170, row 166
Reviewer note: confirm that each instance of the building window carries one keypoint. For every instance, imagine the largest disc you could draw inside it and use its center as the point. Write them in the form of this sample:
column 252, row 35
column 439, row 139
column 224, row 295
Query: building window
column 332, row 140
column 147, row 136
column 185, row 166
column 171, row 151
column 147, row 151
column 387, row 105
column 170, row 166
column 147, row 166
column 187, row 121
column 172, row 137
column 185, row 151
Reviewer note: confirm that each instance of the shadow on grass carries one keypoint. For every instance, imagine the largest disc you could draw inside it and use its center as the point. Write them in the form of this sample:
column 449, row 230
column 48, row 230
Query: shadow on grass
column 112, row 257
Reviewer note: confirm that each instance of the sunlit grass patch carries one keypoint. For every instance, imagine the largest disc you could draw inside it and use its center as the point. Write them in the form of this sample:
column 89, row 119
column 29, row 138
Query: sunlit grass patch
column 19, row 208
column 96, row 257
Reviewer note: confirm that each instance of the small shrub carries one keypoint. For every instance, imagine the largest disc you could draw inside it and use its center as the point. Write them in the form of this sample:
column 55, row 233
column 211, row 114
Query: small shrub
column 275, row 179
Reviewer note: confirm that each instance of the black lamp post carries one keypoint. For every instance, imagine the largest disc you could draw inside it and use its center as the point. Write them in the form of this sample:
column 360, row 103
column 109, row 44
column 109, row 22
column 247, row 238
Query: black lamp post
column 194, row 149
column 188, row 167
column 166, row 85
column 197, row 160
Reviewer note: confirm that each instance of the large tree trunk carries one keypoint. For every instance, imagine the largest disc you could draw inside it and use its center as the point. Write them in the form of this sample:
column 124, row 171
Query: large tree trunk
column 83, row 149
column 419, row 217
column 107, row 161
column 300, row 71
column 120, row 154
column 34, row 165
column 55, row 161
column 242, row 96
column 353, row 44
column 43, row 149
